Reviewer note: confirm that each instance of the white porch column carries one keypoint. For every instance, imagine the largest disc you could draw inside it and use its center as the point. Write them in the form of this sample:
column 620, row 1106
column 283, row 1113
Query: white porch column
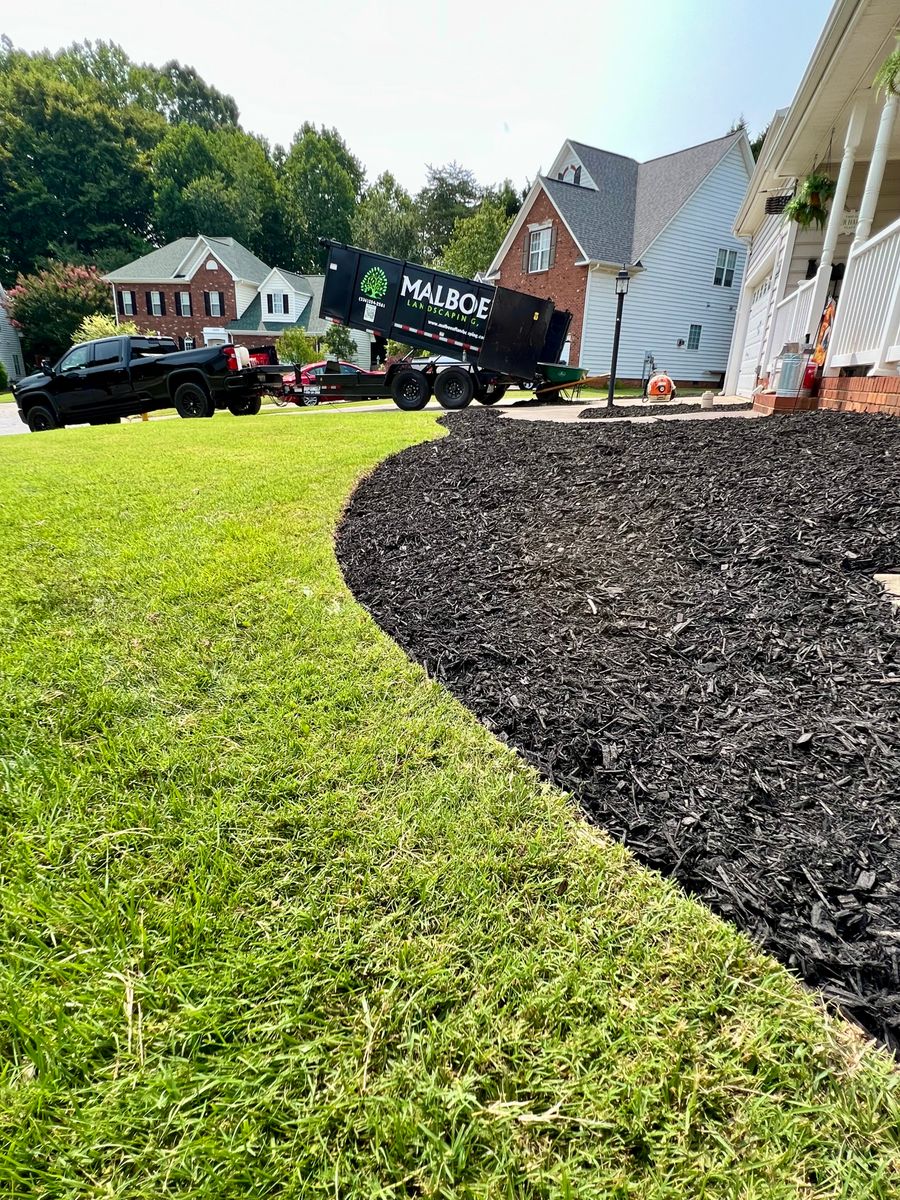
column 876, row 170
column 739, row 336
column 836, row 214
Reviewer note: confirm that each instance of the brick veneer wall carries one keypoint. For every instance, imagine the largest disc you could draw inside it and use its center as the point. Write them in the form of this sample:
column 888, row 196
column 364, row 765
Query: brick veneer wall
column 564, row 283
column 171, row 325
column 861, row 394
column 857, row 393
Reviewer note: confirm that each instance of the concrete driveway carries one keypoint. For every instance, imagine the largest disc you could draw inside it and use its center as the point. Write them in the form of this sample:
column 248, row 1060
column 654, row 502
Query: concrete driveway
column 9, row 420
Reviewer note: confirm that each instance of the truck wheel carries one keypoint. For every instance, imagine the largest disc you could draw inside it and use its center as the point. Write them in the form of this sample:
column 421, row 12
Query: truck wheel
column 410, row 390
column 41, row 417
column 454, row 388
column 497, row 394
column 248, row 407
column 191, row 400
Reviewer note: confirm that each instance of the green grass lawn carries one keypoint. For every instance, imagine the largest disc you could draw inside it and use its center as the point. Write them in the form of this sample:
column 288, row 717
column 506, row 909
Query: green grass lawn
column 6, row 397
column 279, row 918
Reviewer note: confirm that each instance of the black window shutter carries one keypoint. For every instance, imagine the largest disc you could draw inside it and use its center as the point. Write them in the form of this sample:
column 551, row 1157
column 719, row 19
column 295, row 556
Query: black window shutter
column 270, row 302
column 120, row 301
column 221, row 304
column 285, row 303
column 206, row 303
column 149, row 305
column 134, row 302
column 162, row 304
column 178, row 304
column 526, row 246
column 552, row 258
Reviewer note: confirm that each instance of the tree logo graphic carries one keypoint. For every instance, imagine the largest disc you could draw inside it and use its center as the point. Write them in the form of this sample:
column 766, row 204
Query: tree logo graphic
column 374, row 283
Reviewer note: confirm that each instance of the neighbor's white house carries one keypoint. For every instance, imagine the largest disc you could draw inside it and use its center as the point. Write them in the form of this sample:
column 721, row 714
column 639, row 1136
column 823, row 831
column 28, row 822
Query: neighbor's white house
column 10, row 344
column 836, row 123
column 670, row 221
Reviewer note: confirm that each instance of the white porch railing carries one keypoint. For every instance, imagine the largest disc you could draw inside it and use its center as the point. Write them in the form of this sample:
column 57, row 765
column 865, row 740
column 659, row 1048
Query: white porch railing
column 792, row 318
column 867, row 322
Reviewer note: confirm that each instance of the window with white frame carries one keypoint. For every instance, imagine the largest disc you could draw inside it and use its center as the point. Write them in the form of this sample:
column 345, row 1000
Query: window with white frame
column 156, row 306
column 278, row 302
column 126, row 301
column 539, row 250
column 694, row 337
column 183, row 304
column 725, row 265
column 214, row 300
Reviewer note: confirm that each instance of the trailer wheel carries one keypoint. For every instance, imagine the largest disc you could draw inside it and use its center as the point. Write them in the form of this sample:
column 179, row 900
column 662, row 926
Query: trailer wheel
column 410, row 390
column 454, row 388
column 247, row 406
column 497, row 394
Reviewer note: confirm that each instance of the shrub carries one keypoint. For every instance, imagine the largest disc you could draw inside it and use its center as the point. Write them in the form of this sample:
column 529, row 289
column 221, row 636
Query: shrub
column 4, row 379
column 49, row 305
column 100, row 325
column 339, row 342
column 296, row 346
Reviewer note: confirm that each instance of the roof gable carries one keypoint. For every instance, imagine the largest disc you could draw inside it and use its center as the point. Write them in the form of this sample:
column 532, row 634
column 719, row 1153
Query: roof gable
column 600, row 221
column 170, row 261
column 666, row 184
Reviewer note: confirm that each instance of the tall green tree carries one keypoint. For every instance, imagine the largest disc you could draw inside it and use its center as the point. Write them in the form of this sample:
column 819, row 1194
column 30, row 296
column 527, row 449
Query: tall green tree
column 73, row 178
column 450, row 193
column 318, row 189
column 220, row 182
column 475, row 240
column 387, row 220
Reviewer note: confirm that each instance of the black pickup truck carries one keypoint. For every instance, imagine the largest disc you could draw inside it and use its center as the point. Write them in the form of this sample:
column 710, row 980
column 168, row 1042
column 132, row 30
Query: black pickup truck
column 99, row 382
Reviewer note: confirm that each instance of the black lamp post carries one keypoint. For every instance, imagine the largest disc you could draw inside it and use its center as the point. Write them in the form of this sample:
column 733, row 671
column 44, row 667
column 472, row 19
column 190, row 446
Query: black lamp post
column 621, row 291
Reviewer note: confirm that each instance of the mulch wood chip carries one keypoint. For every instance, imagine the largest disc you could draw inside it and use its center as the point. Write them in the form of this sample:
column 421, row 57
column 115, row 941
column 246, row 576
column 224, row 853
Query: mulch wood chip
column 678, row 623
column 601, row 412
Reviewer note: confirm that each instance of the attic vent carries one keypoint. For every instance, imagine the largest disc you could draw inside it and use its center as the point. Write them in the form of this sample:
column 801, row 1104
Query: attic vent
column 777, row 204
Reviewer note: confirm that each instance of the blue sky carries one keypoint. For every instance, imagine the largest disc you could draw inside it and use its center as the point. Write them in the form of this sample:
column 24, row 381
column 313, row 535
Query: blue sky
column 496, row 85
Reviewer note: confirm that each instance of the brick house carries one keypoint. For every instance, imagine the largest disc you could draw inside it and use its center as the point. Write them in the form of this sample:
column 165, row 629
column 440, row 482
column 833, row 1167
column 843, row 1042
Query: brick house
column 669, row 221
column 206, row 290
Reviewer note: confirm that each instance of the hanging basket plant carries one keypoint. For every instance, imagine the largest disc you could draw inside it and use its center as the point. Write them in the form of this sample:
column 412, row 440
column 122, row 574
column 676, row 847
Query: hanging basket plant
column 887, row 80
column 808, row 206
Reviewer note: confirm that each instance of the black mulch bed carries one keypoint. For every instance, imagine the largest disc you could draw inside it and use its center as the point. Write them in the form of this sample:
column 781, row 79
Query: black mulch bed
column 654, row 410
column 678, row 623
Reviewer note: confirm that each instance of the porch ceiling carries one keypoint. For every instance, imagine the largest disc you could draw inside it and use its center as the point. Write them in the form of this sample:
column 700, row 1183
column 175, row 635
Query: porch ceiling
column 857, row 38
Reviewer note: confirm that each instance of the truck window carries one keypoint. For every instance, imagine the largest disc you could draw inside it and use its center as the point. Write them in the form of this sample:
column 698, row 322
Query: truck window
column 76, row 360
column 107, row 352
column 142, row 347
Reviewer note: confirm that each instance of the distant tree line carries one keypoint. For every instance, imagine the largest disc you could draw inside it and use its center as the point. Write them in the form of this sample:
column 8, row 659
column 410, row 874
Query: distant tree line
column 102, row 159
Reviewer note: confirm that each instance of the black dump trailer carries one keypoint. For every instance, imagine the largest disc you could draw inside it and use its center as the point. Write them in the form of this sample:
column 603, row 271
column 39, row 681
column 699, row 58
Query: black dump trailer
column 497, row 335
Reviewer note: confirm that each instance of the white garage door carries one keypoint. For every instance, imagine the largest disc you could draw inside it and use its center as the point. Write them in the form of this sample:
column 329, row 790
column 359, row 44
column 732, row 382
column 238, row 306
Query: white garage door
column 757, row 327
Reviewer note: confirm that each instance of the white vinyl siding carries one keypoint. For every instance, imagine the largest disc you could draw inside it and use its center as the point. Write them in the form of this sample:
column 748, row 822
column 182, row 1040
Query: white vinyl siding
column 676, row 290
column 10, row 345
column 244, row 295
column 539, row 250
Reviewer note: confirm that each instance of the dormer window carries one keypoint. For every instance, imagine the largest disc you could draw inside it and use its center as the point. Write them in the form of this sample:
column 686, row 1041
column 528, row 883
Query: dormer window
column 570, row 174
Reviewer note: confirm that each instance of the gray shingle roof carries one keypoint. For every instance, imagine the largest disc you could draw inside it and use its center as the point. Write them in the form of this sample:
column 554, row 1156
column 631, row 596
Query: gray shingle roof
column 634, row 201
column 664, row 184
column 153, row 267
column 161, row 264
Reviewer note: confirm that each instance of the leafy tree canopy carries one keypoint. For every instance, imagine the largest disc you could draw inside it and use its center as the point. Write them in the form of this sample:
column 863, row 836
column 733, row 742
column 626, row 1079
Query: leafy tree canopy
column 387, row 220
column 476, row 239
column 318, row 188
column 450, row 193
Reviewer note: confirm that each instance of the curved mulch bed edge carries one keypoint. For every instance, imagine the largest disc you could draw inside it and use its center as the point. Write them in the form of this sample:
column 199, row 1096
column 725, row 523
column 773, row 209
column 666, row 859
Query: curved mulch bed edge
column 678, row 623
column 655, row 410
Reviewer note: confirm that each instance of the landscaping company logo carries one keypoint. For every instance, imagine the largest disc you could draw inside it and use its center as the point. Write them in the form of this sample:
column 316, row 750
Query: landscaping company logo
column 374, row 283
